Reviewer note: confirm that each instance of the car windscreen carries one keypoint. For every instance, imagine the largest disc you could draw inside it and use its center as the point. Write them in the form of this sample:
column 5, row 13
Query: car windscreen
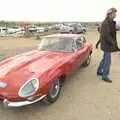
column 57, row 44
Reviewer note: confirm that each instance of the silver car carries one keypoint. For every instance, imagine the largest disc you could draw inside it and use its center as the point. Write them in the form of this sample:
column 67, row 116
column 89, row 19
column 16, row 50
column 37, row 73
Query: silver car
column 74, row 29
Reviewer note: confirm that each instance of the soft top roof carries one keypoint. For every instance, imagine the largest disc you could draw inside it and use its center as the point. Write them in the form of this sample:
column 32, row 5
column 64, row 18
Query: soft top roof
column 73, row 36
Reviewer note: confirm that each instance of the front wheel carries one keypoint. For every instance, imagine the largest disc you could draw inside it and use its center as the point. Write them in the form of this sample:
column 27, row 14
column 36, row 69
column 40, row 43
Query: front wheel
column 53, row 92
column 87, row 62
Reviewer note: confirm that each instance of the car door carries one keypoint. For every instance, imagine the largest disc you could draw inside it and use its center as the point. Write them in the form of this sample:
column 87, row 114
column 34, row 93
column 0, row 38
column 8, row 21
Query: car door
column 75, row 59
column 71, row 64
column 81, row 51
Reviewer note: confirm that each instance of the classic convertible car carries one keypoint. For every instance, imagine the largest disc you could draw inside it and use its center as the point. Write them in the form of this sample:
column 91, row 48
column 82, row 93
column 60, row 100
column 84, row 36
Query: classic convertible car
column 39, row 74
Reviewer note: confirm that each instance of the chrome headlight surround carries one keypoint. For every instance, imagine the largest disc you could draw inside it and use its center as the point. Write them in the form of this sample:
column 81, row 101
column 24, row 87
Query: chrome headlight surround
column 29, row 88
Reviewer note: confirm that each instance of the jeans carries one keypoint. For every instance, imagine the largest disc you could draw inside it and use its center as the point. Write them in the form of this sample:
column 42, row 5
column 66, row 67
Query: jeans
column 105, row 64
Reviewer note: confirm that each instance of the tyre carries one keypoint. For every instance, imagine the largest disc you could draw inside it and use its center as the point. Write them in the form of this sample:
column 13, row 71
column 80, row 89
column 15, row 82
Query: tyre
column 54, row 92
column 87, row 62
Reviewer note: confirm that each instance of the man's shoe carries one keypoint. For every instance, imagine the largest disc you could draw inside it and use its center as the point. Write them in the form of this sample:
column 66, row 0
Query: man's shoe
column 107, row 80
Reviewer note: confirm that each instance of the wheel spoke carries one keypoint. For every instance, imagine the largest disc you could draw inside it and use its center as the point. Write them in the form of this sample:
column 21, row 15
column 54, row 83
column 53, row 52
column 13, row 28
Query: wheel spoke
column 55, row 89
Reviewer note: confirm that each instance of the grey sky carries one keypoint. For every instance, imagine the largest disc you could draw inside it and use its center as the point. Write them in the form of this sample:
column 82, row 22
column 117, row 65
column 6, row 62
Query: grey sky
column 56, row 10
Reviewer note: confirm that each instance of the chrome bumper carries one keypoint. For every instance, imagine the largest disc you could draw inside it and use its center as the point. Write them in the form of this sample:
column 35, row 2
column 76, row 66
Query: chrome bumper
column 21, row 103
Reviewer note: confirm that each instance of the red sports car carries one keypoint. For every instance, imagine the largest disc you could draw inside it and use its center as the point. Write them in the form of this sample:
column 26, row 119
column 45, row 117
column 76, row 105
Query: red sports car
column 38, row 75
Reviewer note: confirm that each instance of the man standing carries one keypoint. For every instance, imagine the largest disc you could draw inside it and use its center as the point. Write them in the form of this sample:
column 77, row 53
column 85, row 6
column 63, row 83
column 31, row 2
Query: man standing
column 108, row 43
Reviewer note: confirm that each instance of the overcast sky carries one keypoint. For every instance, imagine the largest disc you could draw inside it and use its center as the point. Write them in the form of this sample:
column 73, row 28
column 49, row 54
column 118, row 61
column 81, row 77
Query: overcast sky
column 56, row 10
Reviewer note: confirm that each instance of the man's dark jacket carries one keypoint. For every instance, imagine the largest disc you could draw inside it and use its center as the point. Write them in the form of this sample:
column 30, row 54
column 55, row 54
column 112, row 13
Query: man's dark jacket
column 108, row 36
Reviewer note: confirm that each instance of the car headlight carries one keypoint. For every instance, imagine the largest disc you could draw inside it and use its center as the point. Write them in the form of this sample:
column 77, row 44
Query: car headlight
column 3, row 84
column 29, row 88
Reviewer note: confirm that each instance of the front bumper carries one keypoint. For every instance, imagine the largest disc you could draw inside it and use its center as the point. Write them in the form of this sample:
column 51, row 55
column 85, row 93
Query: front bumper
column 21, row 103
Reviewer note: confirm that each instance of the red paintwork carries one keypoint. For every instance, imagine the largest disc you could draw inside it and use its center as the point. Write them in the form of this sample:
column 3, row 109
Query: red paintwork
column 45, row 65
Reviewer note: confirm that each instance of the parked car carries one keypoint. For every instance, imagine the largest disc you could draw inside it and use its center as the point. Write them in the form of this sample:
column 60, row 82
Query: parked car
column 39, row 74
column 32, row 29
column 81, row 29
column 74, row 29
column 40, row 29
column 3, row 31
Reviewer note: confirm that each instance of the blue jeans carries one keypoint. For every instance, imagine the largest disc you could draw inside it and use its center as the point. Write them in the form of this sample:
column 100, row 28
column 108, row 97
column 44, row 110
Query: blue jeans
column 105, row 64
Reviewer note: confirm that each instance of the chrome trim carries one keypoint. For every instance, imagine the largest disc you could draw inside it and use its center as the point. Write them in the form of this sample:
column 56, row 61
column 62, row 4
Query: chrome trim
column 20, row 94
column 8, row 103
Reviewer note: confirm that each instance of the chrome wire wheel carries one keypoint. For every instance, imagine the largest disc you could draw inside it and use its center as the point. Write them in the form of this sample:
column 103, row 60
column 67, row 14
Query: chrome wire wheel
column 54, row 90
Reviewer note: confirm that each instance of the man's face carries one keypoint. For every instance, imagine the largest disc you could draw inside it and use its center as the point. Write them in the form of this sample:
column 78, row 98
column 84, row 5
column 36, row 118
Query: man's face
column 113, row 15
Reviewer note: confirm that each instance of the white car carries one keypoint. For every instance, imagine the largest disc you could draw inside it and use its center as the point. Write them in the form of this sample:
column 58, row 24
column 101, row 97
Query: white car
column 118, row 25
column 40, row 29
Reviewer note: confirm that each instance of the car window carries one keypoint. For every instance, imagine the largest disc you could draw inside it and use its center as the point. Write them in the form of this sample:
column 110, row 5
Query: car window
column 83, row 39
column 57, row 44
column 79, row 43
